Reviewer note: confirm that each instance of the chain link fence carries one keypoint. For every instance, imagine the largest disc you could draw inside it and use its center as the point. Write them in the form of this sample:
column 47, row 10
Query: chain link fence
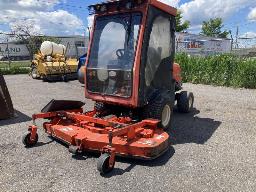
column 203, row 46
column 13, row 51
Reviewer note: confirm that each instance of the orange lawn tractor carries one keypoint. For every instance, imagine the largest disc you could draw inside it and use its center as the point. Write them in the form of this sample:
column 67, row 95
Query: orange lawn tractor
column 129, row 75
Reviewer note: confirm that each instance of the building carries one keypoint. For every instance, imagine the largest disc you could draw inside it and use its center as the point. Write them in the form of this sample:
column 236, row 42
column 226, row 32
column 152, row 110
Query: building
column 76, row 47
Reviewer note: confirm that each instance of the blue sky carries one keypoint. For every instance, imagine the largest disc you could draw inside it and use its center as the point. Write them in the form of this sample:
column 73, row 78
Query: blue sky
column 69, row 17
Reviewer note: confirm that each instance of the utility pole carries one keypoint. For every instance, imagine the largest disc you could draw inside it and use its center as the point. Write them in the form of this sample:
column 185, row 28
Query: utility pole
column 232, row 40
column 237, row 33
column 8, row 51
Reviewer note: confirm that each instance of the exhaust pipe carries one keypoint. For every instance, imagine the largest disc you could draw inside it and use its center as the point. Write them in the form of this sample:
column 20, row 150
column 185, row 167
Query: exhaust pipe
column 6, row 106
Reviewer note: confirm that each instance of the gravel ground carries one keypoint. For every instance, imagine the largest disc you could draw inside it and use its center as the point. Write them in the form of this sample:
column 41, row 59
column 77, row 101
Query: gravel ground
column 214, row 147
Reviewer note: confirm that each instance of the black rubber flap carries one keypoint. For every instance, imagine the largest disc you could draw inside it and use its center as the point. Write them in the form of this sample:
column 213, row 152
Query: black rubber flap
column 62, row 105
column 6, row 107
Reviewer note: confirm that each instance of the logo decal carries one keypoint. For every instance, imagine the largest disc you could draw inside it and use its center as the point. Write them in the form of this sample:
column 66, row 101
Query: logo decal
column 160, row 137
column 67, row 129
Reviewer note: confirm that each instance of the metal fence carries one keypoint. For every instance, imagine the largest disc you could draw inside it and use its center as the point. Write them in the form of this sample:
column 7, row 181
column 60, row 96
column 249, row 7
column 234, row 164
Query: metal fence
column 12, row 50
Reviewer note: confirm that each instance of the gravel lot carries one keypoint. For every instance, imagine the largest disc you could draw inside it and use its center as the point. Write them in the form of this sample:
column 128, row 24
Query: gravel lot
column 214, row 147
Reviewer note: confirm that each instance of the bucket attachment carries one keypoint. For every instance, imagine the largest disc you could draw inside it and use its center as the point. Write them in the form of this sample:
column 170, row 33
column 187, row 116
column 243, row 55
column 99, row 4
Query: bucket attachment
column 61, row 105
column 6, row 107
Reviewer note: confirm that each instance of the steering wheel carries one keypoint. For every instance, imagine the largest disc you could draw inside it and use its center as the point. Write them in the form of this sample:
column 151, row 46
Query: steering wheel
column 120, row 53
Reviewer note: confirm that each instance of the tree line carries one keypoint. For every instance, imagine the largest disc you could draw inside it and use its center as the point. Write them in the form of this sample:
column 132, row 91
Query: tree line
column 212, row 27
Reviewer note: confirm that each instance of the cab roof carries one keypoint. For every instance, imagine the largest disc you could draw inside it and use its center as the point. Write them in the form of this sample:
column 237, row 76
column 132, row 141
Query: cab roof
column 96, row 8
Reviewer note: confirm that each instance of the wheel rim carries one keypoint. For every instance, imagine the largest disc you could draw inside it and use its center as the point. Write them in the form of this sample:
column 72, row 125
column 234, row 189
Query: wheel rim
column 103, row 164
column 166, row 115
column 34, row 73
column 190, row 102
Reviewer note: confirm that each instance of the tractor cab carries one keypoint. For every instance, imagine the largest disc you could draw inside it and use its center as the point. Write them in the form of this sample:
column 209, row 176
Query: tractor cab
column 130, row 56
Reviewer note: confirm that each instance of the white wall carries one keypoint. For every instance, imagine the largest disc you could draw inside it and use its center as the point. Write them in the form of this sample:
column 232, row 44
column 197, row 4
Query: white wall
column 14, row 50
column 74, row 51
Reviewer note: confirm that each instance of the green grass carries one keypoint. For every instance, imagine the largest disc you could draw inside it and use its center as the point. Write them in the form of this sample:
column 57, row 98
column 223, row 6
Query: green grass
column 223, row 70
column 14, row 70
column 5, row 64
column 16, row 67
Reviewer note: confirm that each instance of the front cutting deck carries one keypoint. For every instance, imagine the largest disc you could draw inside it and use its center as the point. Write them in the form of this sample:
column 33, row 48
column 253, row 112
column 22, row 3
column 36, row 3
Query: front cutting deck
column 91, row 131
column 116, row 135
column 95, row 139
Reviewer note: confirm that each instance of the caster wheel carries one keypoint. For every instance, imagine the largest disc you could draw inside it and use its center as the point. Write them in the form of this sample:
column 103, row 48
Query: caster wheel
column 103, row 164
column 73, row 149
column 28, row 142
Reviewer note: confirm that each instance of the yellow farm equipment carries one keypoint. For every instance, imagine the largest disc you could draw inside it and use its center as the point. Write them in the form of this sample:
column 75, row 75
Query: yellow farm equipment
column 53, row 66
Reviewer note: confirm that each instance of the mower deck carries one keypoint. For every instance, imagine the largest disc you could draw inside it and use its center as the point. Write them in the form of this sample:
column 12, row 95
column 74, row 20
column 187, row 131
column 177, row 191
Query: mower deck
column 110, row 135
column 93, row 139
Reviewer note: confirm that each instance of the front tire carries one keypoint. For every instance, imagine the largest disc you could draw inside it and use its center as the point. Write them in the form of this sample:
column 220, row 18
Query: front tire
column 160, row 109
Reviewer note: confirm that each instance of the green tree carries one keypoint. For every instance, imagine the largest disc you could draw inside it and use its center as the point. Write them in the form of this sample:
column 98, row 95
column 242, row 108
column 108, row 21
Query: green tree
column 213, row 28
column 26, row 34
column 181, row 26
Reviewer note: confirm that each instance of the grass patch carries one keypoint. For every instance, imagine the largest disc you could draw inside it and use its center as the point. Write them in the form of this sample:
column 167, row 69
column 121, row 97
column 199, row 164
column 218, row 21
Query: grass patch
column 16, row 67
column 14, row 70
column 223, row 70
column 5, row 64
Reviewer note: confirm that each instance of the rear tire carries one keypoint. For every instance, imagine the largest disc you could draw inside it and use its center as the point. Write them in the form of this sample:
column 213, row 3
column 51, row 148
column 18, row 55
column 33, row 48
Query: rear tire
column 160, row 109
column 185, row 101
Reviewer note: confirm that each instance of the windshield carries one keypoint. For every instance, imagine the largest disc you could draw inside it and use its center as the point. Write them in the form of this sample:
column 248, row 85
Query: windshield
column 109, row 70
